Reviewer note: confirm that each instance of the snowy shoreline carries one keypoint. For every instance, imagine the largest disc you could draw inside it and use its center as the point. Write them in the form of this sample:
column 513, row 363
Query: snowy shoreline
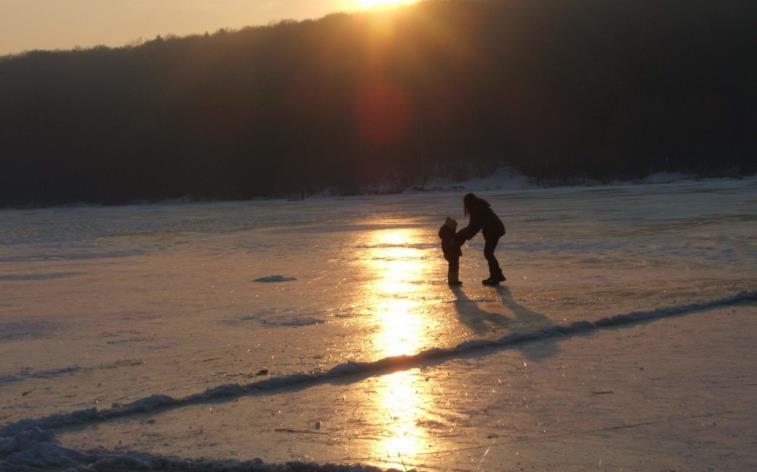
column 500, row 180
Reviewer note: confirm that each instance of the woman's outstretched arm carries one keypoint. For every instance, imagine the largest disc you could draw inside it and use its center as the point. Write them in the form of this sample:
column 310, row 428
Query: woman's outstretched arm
column 474, row 226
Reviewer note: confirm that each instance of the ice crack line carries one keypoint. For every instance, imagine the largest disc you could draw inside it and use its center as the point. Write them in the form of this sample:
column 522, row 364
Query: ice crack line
column 362, row 369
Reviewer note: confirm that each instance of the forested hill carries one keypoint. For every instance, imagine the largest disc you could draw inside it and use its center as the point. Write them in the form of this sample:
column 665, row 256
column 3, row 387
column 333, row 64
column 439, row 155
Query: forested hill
column 557, row 89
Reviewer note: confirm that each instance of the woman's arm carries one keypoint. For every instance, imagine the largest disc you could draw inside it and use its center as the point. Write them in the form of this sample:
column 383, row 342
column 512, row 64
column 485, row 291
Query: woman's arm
column 474, row 226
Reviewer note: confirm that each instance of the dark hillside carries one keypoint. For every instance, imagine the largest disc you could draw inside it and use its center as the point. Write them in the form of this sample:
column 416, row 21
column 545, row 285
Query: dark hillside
column 557, row 89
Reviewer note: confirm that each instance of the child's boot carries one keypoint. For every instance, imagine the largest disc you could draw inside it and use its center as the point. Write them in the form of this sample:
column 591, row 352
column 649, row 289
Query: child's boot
column 452, row 278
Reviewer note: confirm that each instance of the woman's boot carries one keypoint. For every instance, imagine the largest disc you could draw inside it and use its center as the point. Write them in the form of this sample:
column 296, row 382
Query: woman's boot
column 495, row 277
column 491, row 281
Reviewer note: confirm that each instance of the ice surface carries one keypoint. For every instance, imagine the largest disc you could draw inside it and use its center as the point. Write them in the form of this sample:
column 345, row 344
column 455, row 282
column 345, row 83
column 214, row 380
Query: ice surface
column 304, row 379
column 104, row 307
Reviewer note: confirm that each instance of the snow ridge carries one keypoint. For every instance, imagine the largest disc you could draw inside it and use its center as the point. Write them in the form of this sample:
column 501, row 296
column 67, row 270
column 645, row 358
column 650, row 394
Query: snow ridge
column 154, row 403
column 37, row 450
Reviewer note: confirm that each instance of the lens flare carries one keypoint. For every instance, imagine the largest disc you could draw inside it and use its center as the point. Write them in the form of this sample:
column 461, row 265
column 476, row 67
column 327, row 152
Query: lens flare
column 382, row 112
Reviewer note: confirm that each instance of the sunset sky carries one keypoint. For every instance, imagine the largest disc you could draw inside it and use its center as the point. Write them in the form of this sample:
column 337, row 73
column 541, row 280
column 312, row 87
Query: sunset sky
column 64, row 24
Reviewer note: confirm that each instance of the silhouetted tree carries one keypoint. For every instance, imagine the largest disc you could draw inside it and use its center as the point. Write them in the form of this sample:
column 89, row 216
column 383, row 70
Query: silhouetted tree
column 557, row 89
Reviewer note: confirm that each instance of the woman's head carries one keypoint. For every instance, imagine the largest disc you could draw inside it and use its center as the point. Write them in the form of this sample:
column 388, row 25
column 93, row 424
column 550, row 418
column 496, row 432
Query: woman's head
column 470, row 201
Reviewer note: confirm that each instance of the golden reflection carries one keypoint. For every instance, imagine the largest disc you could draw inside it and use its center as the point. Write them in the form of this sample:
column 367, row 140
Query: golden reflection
column 401, row 403
column 398, row 269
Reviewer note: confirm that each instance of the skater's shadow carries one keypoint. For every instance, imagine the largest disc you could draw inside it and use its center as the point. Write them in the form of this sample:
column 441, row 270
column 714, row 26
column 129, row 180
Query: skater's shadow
column 469, row 313
column 523, row 319
column 527, row 320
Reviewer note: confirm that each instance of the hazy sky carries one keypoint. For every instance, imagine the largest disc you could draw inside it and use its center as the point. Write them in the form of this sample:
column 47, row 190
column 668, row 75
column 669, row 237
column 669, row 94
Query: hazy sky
column 64, row 24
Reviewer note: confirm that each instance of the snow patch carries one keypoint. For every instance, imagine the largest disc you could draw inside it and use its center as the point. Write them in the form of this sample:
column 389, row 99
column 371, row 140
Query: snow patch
column 15, row 330
column 26, row 373
column 293, row 322
column 39, row 451
column 278, row 318
column 272, row 279
column 36, row 277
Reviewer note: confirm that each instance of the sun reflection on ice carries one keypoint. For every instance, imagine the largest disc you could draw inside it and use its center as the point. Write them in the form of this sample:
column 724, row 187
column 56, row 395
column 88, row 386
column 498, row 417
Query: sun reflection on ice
column 401, row 403
column 399, row 268
column 403, row 329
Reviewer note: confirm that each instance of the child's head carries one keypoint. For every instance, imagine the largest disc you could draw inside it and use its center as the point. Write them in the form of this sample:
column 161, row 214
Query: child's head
column 451, row 223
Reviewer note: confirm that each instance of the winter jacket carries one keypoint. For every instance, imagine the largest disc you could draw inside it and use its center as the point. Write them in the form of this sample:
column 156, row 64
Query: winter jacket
column 450, row 243
column 483, row 219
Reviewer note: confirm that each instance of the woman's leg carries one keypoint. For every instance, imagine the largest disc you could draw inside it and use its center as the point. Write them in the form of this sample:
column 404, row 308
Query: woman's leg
column 490, row 245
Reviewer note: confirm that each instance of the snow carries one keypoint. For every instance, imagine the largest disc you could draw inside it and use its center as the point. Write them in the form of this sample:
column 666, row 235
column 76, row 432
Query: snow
column 272, row 279
column 35, row 450
column 507, row 179
column 665, row 178
column 502, row 179
column 137, row 333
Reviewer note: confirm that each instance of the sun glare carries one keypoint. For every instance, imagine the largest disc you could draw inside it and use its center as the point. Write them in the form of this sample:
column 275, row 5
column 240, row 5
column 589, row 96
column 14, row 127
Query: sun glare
column 400, row 398
column 383, row 3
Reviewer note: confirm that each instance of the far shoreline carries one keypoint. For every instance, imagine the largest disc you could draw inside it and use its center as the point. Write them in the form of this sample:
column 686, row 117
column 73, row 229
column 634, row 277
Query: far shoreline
column 502, row 180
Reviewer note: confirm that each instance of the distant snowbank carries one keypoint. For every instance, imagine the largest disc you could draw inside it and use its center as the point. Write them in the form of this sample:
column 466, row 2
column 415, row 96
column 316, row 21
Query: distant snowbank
column 665, row 178
column 502, row 179
column 507, row 179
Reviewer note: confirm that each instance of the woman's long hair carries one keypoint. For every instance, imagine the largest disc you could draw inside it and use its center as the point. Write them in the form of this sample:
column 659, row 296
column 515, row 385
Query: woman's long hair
column 470, row 201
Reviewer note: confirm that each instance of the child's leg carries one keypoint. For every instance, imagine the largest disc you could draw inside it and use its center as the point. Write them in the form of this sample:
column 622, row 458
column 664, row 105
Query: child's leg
column 454, row 271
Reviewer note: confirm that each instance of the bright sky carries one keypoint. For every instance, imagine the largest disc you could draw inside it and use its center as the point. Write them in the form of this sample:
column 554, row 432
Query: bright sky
column 64, row 24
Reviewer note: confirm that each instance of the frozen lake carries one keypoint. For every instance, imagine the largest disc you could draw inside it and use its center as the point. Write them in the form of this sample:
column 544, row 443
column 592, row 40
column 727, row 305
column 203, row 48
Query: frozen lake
column 100, row 307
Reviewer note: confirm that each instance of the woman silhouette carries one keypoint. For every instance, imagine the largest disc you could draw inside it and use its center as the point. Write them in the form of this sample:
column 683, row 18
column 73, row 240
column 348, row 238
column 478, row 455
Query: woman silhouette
column 483, row 219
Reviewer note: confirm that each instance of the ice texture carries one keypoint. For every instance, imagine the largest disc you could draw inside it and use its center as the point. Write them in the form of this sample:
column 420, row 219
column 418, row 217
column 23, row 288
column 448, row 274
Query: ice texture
column 47, row 454
column 127, row 322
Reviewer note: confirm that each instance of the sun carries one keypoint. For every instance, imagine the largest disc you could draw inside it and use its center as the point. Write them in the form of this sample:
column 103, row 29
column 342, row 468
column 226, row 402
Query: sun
column 383, row 3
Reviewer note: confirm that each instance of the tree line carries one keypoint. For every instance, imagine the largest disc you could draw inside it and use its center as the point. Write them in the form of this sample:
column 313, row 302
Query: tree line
column 557, row 89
